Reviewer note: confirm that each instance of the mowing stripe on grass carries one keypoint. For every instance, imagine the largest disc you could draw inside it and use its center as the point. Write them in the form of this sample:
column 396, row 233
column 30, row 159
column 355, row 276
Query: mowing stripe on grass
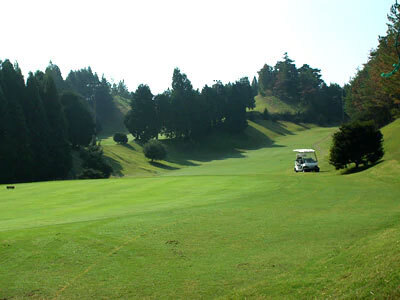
column 115, row 250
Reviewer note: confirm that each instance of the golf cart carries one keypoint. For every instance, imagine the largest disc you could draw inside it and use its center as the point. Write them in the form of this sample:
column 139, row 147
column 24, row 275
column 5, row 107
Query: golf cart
column 306, row 161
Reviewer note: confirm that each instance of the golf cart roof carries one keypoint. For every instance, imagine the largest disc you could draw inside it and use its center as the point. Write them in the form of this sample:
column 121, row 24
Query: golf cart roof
column 304, row 150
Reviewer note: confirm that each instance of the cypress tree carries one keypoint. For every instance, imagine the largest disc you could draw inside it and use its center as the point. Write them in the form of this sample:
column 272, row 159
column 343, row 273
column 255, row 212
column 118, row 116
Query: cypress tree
column 79, row 120
column 18, row 155
column 3, row 142
column 59, row 151
column 39, row 129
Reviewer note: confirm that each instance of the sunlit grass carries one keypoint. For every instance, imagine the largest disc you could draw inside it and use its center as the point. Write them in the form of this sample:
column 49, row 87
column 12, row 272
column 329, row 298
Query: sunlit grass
column 243, row 225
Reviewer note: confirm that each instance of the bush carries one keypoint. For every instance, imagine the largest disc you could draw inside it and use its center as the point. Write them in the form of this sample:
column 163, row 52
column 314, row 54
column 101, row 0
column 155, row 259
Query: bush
column 357, row 142
column 120, row 138
column 266, row 115
column 154, row 150
column 91, row 174
column 93, row 159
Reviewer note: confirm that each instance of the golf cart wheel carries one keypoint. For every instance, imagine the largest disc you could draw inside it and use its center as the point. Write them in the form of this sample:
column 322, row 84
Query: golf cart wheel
column 295, row 170
column 317, row 169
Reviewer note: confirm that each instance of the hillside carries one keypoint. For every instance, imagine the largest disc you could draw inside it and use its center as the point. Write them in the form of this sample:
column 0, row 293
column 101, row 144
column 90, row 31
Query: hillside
column 273, row 105
column 129, row 160
column 240, row 226
column 115, row 118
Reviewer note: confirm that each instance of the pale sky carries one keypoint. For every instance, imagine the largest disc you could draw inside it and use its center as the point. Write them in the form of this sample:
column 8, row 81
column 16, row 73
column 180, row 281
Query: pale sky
column 143, row 41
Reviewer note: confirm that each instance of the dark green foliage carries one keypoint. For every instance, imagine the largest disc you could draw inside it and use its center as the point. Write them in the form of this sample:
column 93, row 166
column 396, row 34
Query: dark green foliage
column 266, row 79
column 120, row 138
column 185, row 113
column 266, row 115
column 55, row 72
column 316, row 102
column 79, row 120
column 357, row 142
column 369, row 96
column 154, row 150
column 32, row 128
column 120, row 89
column 91, row 174
column 141, row 120
column 286, row 84
column 17, row 161
column 239, row 96
column 97, row 92
column 254, row 86
column 183, row 100
column 93, row 159
column 58, row 147
column 36, row 119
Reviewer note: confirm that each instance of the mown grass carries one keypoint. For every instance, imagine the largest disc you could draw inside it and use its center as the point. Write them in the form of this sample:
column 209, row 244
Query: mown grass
column 273, row 105
column 239, row 226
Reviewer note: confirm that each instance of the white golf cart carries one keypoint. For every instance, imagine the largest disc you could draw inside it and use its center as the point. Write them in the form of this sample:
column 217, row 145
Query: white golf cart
column 306, row 161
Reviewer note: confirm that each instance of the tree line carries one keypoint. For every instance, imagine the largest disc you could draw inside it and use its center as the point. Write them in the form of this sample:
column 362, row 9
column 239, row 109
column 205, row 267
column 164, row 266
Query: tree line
column 185, row 113
column 369, row 96
column 39, row 127
column 303, row 88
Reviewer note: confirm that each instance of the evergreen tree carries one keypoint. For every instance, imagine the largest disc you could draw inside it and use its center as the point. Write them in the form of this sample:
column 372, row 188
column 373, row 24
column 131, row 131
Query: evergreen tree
column 371, row 96
column 286, row 84
column 154, row 150
column 254, row 86
column 141, row 120
column 58, row 146
column 182, row 99
column 55, row 72
column 164, row 113
column 356, row 142
column 80, row 123
column 239, row 97
column 17, row 150
column 3, row 141
column 39, row 129
column 266, row 79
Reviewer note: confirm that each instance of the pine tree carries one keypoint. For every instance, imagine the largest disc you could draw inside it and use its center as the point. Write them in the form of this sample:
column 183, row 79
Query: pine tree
column 18, row 155
column 58, row 147
column 80, row 123
column 141, row 120
column 39, row 129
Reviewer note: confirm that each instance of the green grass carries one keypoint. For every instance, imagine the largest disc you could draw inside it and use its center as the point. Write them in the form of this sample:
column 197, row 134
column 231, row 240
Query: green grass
column 235, row 222
column 273, row 105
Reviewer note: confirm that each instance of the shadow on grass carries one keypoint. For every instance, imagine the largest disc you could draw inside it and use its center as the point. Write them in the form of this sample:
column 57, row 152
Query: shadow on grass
column 129, row 146
column 218, row 145
column 162, row 166
column 116, row 166
column 354, row 170
column 276, row 127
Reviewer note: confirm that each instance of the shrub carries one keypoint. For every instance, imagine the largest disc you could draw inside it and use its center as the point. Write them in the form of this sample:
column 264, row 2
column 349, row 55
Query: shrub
column 120, row 138
column 154, row 150
column 91, row 174
column 357, row 142
column 93, row 158
column 266, row 115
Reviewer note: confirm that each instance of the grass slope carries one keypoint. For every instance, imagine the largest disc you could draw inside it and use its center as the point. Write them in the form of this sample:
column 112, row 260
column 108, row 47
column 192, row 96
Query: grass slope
column 240, row 226
column 129, row 160
column 273, row 105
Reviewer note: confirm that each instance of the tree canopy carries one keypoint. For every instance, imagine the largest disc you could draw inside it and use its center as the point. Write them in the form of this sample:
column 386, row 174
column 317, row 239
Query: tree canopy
column 357, row 142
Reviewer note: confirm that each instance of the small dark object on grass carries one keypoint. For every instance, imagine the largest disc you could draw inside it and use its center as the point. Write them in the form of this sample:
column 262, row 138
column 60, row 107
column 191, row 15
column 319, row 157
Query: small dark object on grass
column 120, row 138
column 172, row 242
column 10, row 187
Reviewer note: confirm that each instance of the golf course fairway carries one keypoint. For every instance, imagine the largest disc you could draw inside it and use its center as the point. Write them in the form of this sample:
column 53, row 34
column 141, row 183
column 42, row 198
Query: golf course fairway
column 240, row 226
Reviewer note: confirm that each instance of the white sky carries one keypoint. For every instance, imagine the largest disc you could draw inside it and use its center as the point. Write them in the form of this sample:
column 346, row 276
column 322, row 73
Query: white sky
column 143, row 41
